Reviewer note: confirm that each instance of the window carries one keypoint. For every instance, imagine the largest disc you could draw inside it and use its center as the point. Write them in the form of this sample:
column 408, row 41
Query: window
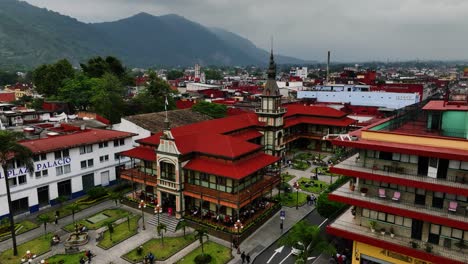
column 61, row 154
column 119, row 142
column 63, row 169
column 168, row 171
column 87, row 163
column 86, row 149
column 12, row 182
column 103, row 144
column 433, row 162
column 22, row 179
column 41, row 173
column 104, row 158
column 116, row 156
column 458, row 165
column 40, row 157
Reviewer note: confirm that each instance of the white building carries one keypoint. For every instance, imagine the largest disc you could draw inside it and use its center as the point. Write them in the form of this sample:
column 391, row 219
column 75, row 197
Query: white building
column 67, row 163
column 197, row 71
column 300, row 72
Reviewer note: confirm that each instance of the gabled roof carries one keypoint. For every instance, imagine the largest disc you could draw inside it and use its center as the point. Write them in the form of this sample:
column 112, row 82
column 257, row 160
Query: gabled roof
column 236, row 170
column 75, row 139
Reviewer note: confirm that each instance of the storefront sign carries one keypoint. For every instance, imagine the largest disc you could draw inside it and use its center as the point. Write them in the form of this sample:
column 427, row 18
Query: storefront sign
column 38, row 167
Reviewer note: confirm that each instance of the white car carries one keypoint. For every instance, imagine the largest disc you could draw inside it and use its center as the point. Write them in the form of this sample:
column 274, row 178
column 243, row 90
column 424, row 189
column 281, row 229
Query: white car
column 297, row 249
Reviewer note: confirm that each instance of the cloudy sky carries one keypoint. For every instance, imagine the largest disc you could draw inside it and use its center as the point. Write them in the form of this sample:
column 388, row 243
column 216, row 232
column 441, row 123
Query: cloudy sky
column 354, row 30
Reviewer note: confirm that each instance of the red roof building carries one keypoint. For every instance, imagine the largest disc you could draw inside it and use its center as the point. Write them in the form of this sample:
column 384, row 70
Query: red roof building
column 226, row 168
column 409, row 177
column 7, row 97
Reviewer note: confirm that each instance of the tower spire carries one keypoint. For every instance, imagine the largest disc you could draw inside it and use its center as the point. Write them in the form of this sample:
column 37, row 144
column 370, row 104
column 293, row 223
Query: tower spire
column 271, row 88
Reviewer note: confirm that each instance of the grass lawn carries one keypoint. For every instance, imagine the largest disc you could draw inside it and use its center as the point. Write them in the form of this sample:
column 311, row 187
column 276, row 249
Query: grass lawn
column 219, row 254
column 38, row 246
column 324, row 170
column 26, row 225
column 300, row 165
column 121, row 232
column 312, row 188
column 287, row 177
column 114, row 214
column 171, row 246
column 289, row 199
column 83, row 203
column 65, row 258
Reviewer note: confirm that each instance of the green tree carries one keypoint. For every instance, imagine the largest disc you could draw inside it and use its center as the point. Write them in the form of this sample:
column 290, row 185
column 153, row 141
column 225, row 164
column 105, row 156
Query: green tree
column 44, row 219
column 117, row 197
column 11, row 150
column 8, row 78
column 78, row 91
column 74, row 208
column 97, row 67
column 210, row 109
column 201, row 233
column 160, row 228
column 48, row 78
column 306, row 237
column 174, row 74
column 182, row 225
column 152, row 99
column 213, row 75
column 107, row 98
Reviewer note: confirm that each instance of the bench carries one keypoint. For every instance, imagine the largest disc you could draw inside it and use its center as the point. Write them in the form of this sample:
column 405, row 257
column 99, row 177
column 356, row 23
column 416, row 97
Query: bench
column 71, row 250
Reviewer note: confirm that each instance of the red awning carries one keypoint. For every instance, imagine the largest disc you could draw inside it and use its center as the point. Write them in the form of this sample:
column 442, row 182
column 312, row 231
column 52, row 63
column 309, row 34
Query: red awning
column 141, row 153
column 237, row 170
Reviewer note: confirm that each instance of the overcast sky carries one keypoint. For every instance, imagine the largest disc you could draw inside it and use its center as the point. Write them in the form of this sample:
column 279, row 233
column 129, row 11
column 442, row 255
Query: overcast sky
column 354, row 30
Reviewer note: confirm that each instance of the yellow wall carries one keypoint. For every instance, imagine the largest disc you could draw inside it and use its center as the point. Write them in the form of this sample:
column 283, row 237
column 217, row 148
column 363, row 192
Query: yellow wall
column 383, row 254
column 416, row 140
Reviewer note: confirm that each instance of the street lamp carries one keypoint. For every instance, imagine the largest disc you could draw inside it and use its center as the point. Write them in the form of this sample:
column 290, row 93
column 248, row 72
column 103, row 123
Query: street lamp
column 142, row 205
column 158, row 210
column 296, row 185
column 238, row 226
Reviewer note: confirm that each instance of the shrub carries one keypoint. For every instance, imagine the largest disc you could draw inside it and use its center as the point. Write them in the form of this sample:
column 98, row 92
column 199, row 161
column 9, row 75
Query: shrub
column 203, row 259
column 96, row 192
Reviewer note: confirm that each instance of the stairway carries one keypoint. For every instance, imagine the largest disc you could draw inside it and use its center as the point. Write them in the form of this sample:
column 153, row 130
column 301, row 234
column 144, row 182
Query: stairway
column 170, row 221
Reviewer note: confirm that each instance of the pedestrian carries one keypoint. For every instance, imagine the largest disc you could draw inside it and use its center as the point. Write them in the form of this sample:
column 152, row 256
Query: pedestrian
column 309, row 199
column 89, row 255
column 146, row 260
column 151, row 258
column 313, row 199
column 247, row 258
column 82, row 261
column 243, row 257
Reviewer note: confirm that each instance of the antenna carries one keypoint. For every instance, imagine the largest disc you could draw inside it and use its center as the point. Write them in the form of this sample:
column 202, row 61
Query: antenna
column 328, row 67
column 271, row 43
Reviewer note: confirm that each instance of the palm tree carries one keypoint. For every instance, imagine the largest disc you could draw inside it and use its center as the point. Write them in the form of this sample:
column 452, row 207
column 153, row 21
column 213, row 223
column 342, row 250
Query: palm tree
column 309, row 238
column 73, row 207
column 160, row 228
column 117, row 197
column 200, row 233
column 181, row 225
column 44, row 219
column 11, row 150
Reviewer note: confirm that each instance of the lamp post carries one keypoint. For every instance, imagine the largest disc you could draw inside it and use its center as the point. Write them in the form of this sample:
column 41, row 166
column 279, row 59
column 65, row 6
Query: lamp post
column 296, row 186
column 238, row 226
column 142, row 205
column 158, row 210
column 329, row 166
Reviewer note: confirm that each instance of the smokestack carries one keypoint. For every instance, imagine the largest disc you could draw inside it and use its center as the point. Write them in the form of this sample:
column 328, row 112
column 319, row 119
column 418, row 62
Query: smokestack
column 328, row 67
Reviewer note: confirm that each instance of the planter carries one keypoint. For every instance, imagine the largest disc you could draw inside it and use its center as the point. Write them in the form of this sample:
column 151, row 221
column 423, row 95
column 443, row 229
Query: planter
column 372, row 230
column 351, row 188
column 392, row 235
column 363, row 194
column 382, row 232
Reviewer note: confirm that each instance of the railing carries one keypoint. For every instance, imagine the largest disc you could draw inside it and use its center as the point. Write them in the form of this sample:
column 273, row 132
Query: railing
column 346, row 223
column 168, row 184
column 136, row 175
column 386, row 168
column 344, row 191
column 279, row 111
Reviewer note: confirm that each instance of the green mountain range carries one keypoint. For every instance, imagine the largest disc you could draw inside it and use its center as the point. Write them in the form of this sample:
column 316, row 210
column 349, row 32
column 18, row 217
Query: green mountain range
column 30, row 36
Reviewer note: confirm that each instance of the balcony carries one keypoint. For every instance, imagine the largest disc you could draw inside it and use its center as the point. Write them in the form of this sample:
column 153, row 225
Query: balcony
column 345, row 226
column 396, row 172
column 168, row 184
column 135, row 175
column 427, row 213
column 233, row 200
column 278, row 111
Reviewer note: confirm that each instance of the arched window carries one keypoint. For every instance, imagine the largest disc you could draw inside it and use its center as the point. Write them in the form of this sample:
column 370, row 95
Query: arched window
column 167, row 171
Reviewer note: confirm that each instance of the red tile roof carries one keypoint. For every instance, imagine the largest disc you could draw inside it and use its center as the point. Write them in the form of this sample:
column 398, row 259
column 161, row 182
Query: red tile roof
column 7, row 97
column 215, row 144
column 247, row 134
column 236, row 170
column 142, row 153
column 313, row 110
column 343, row 122
column 79, row 138
column 444, row 106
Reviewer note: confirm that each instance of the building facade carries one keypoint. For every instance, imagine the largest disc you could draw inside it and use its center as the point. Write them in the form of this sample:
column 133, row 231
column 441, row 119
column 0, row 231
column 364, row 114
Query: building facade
column 68, row 161
column 408, row 188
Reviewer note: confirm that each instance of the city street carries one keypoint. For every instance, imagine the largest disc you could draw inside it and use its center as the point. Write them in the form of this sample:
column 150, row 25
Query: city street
column 276, row 254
